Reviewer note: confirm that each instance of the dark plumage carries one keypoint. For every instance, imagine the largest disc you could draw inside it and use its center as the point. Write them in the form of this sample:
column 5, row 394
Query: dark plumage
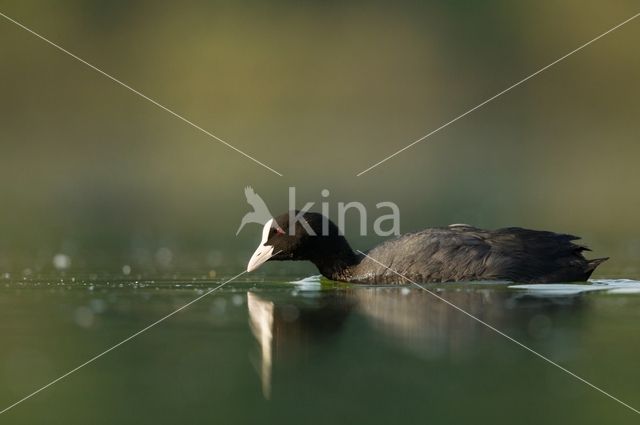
column 454, row 253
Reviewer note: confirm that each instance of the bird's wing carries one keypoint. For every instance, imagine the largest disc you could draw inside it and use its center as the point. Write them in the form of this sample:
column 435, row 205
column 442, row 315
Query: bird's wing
column 434, row 254
column 249, row 194
column 257, row 203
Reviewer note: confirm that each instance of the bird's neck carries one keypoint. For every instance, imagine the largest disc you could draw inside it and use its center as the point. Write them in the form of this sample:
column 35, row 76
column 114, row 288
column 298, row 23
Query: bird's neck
column 337, row 263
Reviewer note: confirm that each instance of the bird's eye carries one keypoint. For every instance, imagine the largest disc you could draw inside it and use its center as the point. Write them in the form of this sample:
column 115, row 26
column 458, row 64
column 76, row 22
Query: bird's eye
column 275, row 230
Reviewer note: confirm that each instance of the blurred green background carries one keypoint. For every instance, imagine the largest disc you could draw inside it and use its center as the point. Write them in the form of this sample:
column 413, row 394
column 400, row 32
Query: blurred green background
column 319, row 91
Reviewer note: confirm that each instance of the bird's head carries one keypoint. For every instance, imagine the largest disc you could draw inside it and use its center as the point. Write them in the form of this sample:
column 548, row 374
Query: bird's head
column 297, row 236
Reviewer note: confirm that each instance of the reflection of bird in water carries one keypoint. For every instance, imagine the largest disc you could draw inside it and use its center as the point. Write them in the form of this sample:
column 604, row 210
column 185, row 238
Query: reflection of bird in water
column 261, row 321
column 292, row 324
column 408, row 319
column 260, row 213
column 424, row 325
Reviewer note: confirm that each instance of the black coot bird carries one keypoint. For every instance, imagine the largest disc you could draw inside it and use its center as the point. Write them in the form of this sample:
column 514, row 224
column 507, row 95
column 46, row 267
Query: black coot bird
column 454, row 253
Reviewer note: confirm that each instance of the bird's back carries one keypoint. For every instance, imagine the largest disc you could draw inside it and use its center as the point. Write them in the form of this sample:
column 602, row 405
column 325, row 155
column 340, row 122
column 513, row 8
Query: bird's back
column 461, row 252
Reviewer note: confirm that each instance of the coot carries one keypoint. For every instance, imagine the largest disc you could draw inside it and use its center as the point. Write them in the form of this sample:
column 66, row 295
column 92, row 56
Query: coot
column 454, row 253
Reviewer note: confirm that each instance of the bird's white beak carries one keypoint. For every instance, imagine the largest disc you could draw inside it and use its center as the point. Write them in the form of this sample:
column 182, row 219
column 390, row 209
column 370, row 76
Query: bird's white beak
column 262, row 254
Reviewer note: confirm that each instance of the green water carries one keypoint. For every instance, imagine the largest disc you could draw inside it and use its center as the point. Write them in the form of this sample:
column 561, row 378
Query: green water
column 306, row 352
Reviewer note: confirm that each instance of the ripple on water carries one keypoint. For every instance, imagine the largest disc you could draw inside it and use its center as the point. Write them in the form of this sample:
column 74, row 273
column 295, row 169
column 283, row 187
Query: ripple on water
column 311, row 283
column 610, row 286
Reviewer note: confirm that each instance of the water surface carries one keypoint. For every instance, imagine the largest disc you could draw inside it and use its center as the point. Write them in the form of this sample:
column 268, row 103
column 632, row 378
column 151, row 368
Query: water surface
column 306, row 351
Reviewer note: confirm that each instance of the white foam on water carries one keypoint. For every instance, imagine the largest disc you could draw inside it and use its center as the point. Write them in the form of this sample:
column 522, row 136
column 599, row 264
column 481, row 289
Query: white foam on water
column 310, row 283
column 624, row 291
column 610, row 286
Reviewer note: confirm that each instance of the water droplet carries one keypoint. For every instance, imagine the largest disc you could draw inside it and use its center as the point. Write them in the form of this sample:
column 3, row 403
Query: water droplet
column 61, row 261
column 98, row 305
column 83, row 317
column 218, row 306
column 164, row 256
